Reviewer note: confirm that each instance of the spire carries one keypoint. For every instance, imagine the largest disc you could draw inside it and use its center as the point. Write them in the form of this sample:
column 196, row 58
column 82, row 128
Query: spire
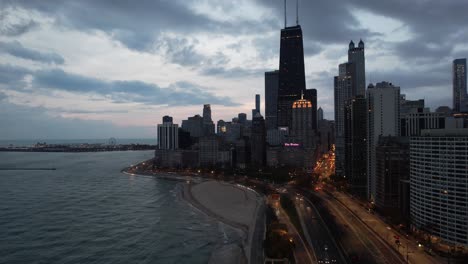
column 351, row 45
column 297, row 12
column 361, row 44
column 285, row 14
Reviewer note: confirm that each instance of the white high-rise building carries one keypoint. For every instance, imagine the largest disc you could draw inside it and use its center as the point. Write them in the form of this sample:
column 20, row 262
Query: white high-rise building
column 383, row 101
column 168, row 134
column 438, row 184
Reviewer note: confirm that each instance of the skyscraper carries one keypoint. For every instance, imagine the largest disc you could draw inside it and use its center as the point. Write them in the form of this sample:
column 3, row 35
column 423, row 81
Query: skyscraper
column 460, row 97
column 356, row 145
column 343, row 91
column 301, row 128
column 319, row 114
column 291, row 72
column 207, row 113
column 257, row 106
column 350, row 82
column 194, row 125
column 311, row 95
column 208, row 125
column 257, row 103
column 356, row 56
column 383, row 104
column 271, row 98
column 168, row 134
column 258, row 141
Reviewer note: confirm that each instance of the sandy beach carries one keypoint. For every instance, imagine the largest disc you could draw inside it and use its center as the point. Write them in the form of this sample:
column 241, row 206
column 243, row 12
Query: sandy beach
column 234, row 205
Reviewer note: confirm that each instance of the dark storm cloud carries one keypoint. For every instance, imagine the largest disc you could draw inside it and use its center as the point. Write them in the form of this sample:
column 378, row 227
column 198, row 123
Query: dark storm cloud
column 436, row 76
column 15, row 48
column 436, row 25
column 14, row 30
column 322, row 21
column 177, row 94
column 135, row 24
column 235, row 72
column 13, row 76
column 182, row 51
column 3, row 96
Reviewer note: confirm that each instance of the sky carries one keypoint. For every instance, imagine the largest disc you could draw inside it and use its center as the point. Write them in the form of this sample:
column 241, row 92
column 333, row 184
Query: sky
column 113, row 68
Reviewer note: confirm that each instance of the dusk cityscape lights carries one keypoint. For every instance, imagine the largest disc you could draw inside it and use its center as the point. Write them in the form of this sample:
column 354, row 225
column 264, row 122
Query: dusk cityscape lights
column 317, row 149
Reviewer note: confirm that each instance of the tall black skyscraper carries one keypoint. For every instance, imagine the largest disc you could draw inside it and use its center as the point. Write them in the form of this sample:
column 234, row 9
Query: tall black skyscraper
column 257, row 103
column 291, row 72
column 460, row 98
column 356, row 57
column 271, row 98
column 355, row 142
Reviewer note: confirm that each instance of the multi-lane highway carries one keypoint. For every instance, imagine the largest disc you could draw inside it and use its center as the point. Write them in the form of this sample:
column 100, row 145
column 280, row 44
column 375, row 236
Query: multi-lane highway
column 317, row 233
column 358, row 240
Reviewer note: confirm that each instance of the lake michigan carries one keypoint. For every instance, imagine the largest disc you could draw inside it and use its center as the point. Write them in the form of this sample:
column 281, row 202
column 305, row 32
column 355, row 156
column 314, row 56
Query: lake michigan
column 87, row 211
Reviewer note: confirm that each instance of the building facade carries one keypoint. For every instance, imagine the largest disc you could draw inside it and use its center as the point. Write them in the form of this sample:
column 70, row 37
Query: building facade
column 258, row 141
column 392, row 167
column 168, row 134
column 460, row 97
column 356, row 57
column 208, row 125
column 302, row 131
column 356, row 145
column 319, row 115
column 343, row 91
column 438, row 184
column 383, row 119
column 194, row 125
column 271, row 98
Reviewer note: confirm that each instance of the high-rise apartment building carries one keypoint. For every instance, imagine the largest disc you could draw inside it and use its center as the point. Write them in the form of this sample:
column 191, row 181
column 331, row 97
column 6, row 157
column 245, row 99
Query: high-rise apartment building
column 438, row 184
column 168, row 134
column 460, row 97
column 343, row 91
column 383, row 119
column 356, row 145
column 392, row 170
column 271, row 98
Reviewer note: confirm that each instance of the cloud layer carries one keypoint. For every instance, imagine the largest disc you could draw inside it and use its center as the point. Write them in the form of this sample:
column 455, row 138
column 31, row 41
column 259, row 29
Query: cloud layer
column 96, row 60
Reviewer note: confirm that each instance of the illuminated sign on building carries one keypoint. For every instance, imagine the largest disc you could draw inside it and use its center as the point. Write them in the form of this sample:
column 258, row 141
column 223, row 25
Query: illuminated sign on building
column 291, row 144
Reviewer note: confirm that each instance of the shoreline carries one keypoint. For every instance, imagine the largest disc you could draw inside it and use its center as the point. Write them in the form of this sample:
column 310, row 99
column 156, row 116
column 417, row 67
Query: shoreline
column 218, row 209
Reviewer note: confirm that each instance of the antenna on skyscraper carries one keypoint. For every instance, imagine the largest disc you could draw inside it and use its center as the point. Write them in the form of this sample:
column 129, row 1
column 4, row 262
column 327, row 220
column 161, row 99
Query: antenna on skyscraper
column 297, row 12
column 285, row 14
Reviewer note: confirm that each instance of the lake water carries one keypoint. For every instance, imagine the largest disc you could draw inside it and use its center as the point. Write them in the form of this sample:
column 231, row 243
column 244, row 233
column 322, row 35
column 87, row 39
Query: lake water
column 86, row 211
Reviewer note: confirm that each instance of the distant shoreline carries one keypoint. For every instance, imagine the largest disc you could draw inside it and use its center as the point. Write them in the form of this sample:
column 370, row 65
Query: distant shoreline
column 75, row 149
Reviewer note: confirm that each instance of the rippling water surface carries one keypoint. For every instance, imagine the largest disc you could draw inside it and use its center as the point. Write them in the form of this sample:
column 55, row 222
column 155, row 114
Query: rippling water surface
column 86, row 211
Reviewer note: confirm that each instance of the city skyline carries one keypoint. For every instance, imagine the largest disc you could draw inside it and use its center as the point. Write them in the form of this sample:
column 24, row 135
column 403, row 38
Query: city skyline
column 62, row 75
